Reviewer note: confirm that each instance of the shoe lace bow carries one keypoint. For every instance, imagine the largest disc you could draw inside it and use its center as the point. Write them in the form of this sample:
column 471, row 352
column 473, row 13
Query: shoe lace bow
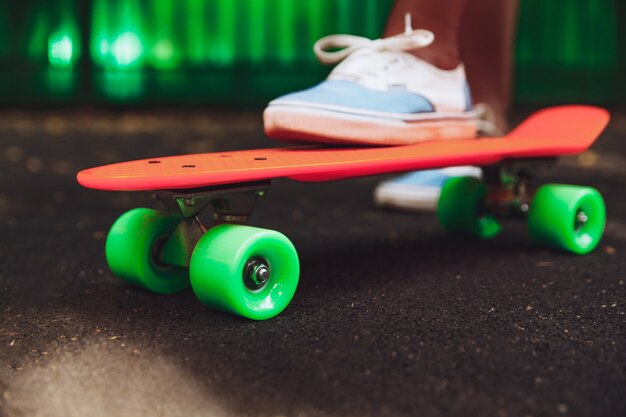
column 335, row 48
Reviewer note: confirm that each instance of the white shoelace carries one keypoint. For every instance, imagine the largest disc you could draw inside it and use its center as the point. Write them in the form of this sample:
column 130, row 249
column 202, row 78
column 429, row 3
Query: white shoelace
column 345, row 45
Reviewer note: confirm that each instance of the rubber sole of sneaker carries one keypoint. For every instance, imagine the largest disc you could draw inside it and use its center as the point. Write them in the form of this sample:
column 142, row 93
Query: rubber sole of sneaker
column 301, row 124
column 404, row 197
column 414, row 197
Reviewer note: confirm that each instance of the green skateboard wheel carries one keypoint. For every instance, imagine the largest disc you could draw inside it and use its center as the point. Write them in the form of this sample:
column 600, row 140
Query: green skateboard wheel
column 460, row 205
column 567, row 217
column 245, row 270
column 132, row 251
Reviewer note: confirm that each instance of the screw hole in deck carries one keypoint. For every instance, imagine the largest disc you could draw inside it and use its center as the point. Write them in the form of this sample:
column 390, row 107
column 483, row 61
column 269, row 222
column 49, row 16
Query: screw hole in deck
column 154, row 162
column 260, row 159
column 188, row 166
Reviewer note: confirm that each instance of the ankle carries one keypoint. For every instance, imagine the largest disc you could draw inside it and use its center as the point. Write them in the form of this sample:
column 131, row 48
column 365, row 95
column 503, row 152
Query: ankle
column 442, row 58
column 443, row 53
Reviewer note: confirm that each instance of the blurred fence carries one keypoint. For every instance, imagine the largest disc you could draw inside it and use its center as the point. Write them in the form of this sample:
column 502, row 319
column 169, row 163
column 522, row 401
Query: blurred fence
column 244, row 52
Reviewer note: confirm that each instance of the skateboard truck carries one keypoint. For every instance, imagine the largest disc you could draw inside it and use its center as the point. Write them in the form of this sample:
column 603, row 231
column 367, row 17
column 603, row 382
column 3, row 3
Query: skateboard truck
column 232, row 204
column 510, row 188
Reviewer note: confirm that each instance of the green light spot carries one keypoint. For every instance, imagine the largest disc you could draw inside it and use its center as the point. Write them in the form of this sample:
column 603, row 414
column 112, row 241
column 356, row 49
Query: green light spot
column 163, row 50
column 165, row 55
column 60, row 50
column 127, row 49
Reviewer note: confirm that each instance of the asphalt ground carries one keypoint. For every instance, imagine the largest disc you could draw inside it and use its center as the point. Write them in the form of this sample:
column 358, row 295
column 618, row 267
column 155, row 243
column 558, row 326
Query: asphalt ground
column 392, row 316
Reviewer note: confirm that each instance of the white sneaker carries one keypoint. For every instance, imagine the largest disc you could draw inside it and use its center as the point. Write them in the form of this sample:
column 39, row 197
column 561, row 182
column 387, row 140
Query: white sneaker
column 420, row 190
column 379, row 94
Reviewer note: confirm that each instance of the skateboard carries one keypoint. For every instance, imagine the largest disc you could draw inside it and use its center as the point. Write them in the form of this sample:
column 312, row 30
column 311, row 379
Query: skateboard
column 253, row 272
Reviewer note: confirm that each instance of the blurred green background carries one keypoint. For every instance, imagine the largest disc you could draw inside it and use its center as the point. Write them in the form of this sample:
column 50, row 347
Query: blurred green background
column 245, row 52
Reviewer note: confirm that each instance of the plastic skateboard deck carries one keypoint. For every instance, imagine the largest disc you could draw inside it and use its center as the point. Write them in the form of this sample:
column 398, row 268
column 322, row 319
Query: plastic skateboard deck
column 547, row 133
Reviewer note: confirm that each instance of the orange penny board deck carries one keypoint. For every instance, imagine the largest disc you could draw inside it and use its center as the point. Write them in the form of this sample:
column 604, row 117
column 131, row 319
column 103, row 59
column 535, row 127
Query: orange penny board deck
column 552, row 132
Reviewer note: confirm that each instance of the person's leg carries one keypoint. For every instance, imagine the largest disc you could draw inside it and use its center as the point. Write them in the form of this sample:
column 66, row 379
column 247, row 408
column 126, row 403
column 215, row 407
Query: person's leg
column 482, row 38
column 486, row 41
column 479, row 33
